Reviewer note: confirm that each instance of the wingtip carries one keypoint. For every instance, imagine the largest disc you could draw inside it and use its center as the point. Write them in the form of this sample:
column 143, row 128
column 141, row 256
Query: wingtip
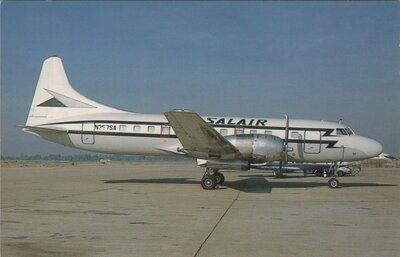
column 180, row 110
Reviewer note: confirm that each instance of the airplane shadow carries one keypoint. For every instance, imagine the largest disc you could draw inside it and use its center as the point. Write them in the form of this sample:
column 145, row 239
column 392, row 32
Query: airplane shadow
column 256, row 184
column 155, row 181
column 273, row 176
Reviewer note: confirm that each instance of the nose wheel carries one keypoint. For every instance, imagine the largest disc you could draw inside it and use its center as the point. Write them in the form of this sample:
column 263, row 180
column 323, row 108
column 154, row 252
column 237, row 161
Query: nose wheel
column 333, row 183
column 212, row 178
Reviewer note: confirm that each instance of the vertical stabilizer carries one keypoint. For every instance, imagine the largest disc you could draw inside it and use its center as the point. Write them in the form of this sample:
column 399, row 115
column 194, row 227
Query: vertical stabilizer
column 55, row 98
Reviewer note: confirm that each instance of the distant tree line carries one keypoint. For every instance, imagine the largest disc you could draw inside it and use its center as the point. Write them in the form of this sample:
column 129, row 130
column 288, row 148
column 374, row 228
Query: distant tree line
column 92, row 157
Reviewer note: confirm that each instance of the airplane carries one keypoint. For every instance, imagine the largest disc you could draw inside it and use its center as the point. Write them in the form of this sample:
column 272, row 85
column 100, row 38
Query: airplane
column 61, row 115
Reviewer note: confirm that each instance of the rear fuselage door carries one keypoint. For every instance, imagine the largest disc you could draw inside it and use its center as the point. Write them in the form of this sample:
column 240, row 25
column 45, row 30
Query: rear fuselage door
column 88, row 133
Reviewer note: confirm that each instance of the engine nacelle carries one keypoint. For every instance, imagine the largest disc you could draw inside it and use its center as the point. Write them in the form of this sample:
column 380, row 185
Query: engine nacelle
column 258, row 148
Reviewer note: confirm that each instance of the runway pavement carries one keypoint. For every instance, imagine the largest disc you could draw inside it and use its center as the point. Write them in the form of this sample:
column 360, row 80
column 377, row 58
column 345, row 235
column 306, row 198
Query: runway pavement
column 159, row 209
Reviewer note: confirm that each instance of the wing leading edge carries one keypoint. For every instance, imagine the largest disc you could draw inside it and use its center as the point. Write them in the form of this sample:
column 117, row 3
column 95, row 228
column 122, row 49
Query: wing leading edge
column 199, row 139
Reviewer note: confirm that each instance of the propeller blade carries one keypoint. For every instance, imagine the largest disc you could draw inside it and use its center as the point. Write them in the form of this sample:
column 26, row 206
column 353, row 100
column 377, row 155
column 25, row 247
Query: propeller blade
column 285, row 151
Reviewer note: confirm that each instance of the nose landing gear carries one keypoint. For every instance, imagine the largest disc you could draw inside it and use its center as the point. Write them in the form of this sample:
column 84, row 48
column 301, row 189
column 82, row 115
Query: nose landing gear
column 333, row 182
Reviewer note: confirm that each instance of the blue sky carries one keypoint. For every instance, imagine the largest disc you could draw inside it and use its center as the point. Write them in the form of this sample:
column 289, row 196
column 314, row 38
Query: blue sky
column 311, row 60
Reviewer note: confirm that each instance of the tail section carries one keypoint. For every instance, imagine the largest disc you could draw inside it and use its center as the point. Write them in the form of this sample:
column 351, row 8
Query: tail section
column 55, row 99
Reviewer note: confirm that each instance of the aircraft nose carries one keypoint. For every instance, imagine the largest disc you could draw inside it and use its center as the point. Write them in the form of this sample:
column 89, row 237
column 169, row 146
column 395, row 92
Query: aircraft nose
column 372, row 148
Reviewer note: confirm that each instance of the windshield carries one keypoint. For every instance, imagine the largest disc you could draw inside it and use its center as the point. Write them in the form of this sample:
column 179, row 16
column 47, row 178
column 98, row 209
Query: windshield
column 349, row 131
column 341, row 132
column 344, row 132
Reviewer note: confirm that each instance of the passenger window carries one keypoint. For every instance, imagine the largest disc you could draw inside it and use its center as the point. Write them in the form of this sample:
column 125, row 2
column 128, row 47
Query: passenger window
column 122, row 127
column 223, row 132
column 165, row 129
column 253, row 131
column 151, row 129
column 239, row 131
column 136, row 128
column 268, row 132
column 295, row 134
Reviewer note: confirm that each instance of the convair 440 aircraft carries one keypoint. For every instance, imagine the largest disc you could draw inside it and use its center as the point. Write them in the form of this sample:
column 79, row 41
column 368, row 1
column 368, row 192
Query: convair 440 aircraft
column 60, row 114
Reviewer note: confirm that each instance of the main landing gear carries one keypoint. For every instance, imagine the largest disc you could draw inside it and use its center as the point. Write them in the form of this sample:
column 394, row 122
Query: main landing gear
column 212, row 178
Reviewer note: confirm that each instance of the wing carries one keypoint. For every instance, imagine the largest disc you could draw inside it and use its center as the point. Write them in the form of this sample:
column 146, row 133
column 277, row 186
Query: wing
column 199, row 139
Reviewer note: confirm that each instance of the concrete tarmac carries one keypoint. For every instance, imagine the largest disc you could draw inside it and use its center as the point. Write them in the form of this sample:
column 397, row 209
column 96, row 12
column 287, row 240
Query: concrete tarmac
column 159, row 209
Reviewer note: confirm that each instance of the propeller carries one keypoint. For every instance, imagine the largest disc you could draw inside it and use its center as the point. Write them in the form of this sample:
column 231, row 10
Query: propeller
column 285, row 147
column 285, row 150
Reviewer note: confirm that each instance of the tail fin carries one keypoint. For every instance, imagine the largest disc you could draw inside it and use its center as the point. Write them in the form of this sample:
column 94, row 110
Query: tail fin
column 55, row 98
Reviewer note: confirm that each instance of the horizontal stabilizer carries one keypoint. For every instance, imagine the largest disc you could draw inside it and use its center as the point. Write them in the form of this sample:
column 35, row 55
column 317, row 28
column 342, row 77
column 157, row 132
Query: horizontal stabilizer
column 47, row 129
column 52, row 133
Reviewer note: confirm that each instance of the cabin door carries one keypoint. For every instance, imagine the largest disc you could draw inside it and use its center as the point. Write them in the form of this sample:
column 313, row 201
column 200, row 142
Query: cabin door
column 312, row 142
column 88, row 133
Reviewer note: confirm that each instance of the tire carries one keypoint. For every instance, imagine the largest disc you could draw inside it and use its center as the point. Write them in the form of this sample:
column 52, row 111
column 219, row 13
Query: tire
column 219, row 177
column 208, row 182
column 333, row 183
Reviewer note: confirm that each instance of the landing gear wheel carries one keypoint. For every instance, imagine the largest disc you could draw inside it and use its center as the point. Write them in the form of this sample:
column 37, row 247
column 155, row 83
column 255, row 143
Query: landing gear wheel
column 333, row 183
column 219, row 177
column 208, row 182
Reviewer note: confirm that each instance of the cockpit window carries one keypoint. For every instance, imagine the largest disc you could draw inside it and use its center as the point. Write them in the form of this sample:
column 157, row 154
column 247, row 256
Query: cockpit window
column 349, row 131
column 341, row 132
column 344, row 132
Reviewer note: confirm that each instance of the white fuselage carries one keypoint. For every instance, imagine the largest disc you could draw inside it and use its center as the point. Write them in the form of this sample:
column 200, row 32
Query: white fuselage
column 131, row 133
